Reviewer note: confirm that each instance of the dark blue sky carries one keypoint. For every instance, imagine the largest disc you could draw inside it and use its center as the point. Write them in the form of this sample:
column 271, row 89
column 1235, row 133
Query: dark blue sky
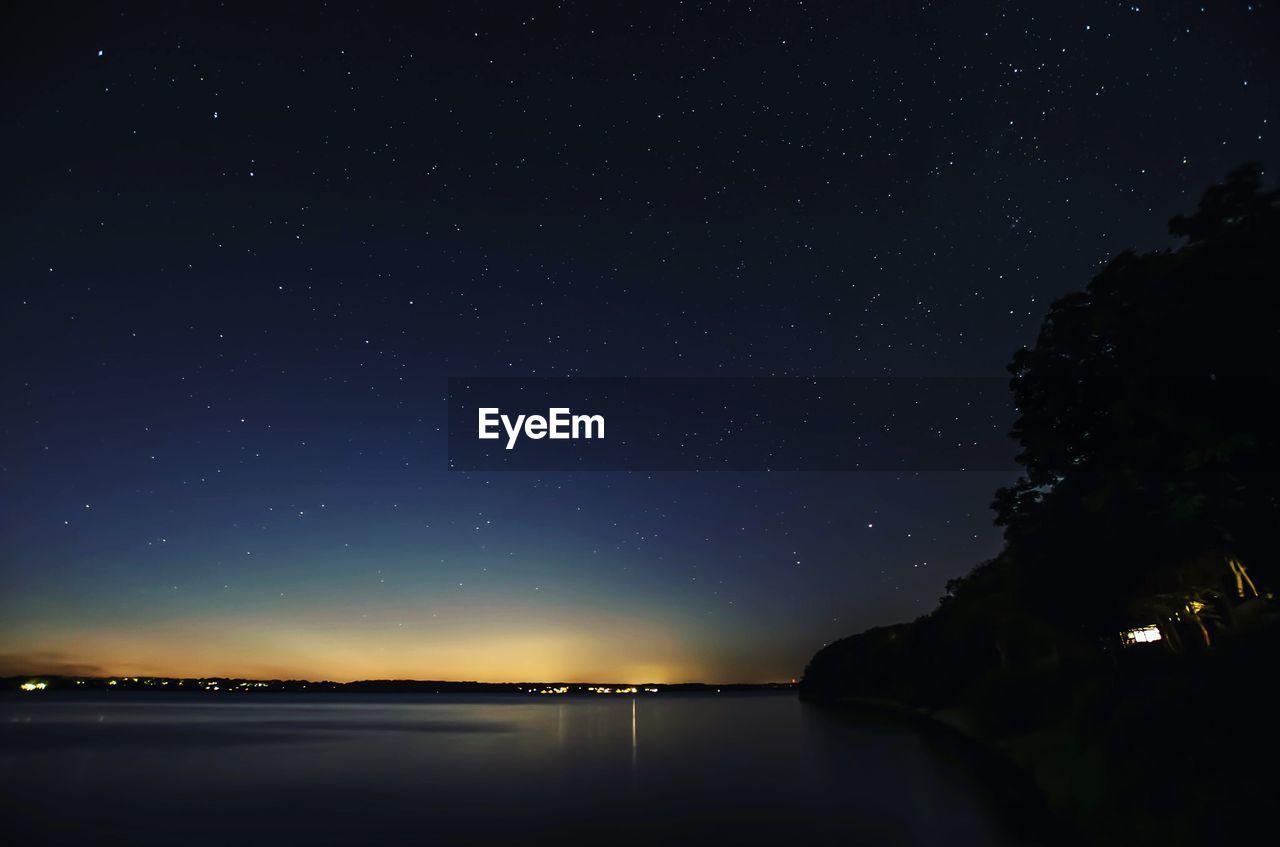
column 244, row 249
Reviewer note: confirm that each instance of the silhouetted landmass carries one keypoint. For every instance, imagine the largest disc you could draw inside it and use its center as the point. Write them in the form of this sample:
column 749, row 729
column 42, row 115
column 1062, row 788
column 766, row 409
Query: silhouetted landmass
column 1122, row 646
column 37, row 683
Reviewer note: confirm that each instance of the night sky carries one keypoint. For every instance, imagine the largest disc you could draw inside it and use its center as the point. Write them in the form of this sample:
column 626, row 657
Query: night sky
column 244, row 250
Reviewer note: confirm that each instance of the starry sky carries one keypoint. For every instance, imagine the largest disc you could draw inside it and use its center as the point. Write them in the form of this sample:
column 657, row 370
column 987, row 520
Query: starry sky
column 245, row 248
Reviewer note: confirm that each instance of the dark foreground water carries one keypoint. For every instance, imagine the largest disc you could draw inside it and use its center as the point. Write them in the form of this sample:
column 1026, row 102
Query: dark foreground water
column 453, row 769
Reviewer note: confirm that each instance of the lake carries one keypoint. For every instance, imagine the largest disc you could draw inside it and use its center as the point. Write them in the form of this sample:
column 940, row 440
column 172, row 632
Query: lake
column 462, row 769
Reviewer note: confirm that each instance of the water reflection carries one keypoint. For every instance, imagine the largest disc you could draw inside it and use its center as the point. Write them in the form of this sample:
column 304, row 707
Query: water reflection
column 474, row 769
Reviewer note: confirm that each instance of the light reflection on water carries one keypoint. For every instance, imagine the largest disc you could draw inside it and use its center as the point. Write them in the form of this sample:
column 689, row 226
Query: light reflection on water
column 143, row 769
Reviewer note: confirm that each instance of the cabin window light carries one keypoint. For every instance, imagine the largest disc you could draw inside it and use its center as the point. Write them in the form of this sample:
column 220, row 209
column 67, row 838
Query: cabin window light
column 1141, row 635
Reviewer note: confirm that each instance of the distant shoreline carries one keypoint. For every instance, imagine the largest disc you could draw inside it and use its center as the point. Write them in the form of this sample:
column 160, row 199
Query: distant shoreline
column 38, row 684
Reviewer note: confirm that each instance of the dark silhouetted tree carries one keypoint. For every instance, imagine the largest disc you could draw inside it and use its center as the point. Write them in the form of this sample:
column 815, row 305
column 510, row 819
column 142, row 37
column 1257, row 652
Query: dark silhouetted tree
column 1147, row 415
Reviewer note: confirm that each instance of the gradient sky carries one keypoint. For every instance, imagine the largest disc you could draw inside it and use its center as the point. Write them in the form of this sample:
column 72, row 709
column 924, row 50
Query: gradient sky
column 243, row 250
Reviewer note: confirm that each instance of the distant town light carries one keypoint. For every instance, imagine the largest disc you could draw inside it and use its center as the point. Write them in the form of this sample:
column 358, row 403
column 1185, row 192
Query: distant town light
column 33, row 686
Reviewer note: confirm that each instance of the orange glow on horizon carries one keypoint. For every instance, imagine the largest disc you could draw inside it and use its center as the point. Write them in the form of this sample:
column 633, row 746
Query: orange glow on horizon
column 631, row 653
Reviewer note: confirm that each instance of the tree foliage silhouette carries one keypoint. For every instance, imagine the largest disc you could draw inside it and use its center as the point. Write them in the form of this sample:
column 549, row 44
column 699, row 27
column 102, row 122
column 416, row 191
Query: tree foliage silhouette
column 1147, row 414
column 1148, row 432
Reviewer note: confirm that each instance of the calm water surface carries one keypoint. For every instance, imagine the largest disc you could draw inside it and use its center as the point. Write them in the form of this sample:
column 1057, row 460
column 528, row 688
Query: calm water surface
column 454, row 769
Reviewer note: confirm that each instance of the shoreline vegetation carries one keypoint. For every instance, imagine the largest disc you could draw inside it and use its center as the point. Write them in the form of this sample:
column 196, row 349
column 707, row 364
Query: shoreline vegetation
column 1165, row 755
column 1121, row 647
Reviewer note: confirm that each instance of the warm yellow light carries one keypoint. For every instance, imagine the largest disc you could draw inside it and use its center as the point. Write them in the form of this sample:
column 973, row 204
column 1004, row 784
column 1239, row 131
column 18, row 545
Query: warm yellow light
column 535, row 644
column 33, row 686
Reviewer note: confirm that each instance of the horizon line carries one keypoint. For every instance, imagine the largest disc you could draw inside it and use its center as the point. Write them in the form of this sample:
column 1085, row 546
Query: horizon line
column 140, row 677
